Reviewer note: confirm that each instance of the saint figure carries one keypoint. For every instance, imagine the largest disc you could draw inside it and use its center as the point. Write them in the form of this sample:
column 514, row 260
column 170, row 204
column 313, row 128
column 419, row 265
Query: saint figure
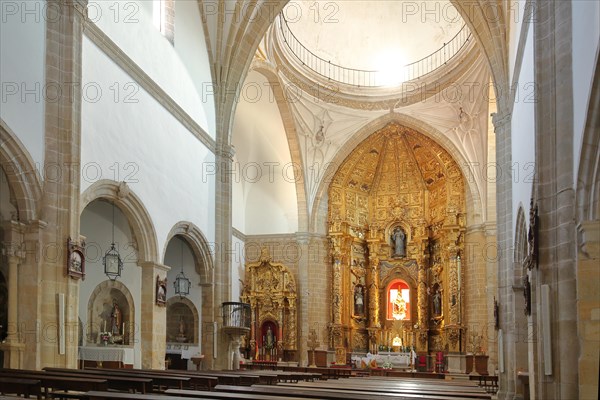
column 437, row 303
column 398, row 238
column 270, row 338
column 115, row 318
column 359, row 305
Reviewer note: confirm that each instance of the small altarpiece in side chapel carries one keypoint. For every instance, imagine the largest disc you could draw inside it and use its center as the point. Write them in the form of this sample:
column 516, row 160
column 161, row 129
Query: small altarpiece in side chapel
column 270, row 289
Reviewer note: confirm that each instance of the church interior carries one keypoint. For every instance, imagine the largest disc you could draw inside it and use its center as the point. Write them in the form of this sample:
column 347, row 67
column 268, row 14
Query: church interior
column 388, row 188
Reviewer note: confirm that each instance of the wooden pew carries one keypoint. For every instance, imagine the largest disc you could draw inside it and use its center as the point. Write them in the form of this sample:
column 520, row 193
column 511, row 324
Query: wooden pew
column 57, row 386
column 115, row 382
column 226, row 395
column 401, row 388
column 160, row 380
column 25, row 387
column 193, row 379
column 103, row 395
column 323, row 394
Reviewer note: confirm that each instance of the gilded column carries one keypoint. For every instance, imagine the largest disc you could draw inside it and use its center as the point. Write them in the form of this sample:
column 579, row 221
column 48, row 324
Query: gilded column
column 422, row 314
column 372, row 281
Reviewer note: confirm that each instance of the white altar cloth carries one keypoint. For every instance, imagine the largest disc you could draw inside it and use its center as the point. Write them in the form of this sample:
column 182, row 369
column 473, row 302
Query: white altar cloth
column 187, row 352
column 108, row 353
column 398, row 360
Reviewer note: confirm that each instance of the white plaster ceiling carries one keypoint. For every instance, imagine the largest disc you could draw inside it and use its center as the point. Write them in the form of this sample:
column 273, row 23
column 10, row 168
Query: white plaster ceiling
column 370, row 34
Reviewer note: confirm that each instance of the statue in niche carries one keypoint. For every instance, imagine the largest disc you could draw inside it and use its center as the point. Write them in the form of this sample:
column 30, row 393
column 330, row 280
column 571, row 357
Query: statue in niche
column 399, row 307
column 116, row 318
column 437, row 302
column 398, row 239
column 359, row 304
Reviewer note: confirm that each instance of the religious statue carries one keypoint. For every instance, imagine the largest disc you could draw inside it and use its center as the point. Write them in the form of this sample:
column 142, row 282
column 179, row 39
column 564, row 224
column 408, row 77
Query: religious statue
column 399, row 307
column 437, row 302
column 359, row 305
column 116, row 318
column 398, row 238
column 270, row 340
column 181, row 326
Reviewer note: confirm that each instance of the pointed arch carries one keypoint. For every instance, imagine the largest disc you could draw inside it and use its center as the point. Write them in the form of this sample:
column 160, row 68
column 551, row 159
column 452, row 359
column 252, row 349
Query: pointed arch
column 133, row 208
column 473, row 192
column 23, row 177
column 203, row 254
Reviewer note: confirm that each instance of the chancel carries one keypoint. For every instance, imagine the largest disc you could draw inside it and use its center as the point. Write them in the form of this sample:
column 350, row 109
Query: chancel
column 386, row 189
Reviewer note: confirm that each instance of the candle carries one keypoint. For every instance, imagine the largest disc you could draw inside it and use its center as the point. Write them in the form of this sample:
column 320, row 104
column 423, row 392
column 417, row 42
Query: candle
column 123, row 328
column 104, row 326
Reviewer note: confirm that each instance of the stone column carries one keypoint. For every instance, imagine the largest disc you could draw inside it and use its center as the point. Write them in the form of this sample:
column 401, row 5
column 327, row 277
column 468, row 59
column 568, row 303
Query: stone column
column 223, row 234
column 555, row 196
column 60, row 199
column 588, row 303
column 154, row 318
column 502, row 128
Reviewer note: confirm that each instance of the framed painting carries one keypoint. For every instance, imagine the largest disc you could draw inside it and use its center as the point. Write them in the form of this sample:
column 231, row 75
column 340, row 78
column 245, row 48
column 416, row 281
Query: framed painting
column 75, row 259
column 161, row 291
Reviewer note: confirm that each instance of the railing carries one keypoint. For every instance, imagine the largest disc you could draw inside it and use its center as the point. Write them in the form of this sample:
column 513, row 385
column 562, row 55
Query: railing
column 236, row 315
column 369, row 78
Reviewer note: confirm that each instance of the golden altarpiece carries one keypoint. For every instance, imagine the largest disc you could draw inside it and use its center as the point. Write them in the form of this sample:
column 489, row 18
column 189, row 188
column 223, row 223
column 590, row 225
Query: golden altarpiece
column 396, row 228
column 270, row 289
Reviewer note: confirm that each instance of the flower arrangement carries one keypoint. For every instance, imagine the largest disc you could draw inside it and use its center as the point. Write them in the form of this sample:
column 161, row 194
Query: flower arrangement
column 105, row 337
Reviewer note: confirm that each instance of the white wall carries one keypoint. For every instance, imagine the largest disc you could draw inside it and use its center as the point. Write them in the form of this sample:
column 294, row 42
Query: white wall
column 516, row 10
column 22, row 75
column 190, row 45
column 523, row 134
column 264, row 171
column 129, row 24
column 238, row 262
column 586, row 39
column 96, row 226
column 138, row 142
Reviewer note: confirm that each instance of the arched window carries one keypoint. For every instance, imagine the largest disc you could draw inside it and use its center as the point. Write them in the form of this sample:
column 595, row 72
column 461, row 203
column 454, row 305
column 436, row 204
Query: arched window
column 398, row 301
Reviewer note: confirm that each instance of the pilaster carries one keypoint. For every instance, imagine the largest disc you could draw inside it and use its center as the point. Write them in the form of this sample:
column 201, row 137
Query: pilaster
column 154, row 318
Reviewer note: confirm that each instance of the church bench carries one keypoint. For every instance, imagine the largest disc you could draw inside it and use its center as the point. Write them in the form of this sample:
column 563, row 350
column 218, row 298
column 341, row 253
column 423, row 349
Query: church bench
column 25, row 387
column 403, row 389
column 488, row 382
column 57, row 385
column 313, row 393
column 121, row 383
column 160, row 380
column 226, row 395
column 103, row 395
column 196, row 380
column 262, row 377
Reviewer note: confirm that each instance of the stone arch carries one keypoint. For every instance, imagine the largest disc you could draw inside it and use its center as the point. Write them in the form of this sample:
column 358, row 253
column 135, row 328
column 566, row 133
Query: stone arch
column 588, row 177
column 190, row 305
column 23, row 178
column 269, row 72
column 130, row 204
column 199, row 246
column 92, row 327
column 473, row 197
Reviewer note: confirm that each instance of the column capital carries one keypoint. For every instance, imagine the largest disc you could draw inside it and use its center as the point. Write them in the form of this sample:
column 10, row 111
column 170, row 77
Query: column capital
column 225, row 151
column 155, row 265
column 500, row 120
